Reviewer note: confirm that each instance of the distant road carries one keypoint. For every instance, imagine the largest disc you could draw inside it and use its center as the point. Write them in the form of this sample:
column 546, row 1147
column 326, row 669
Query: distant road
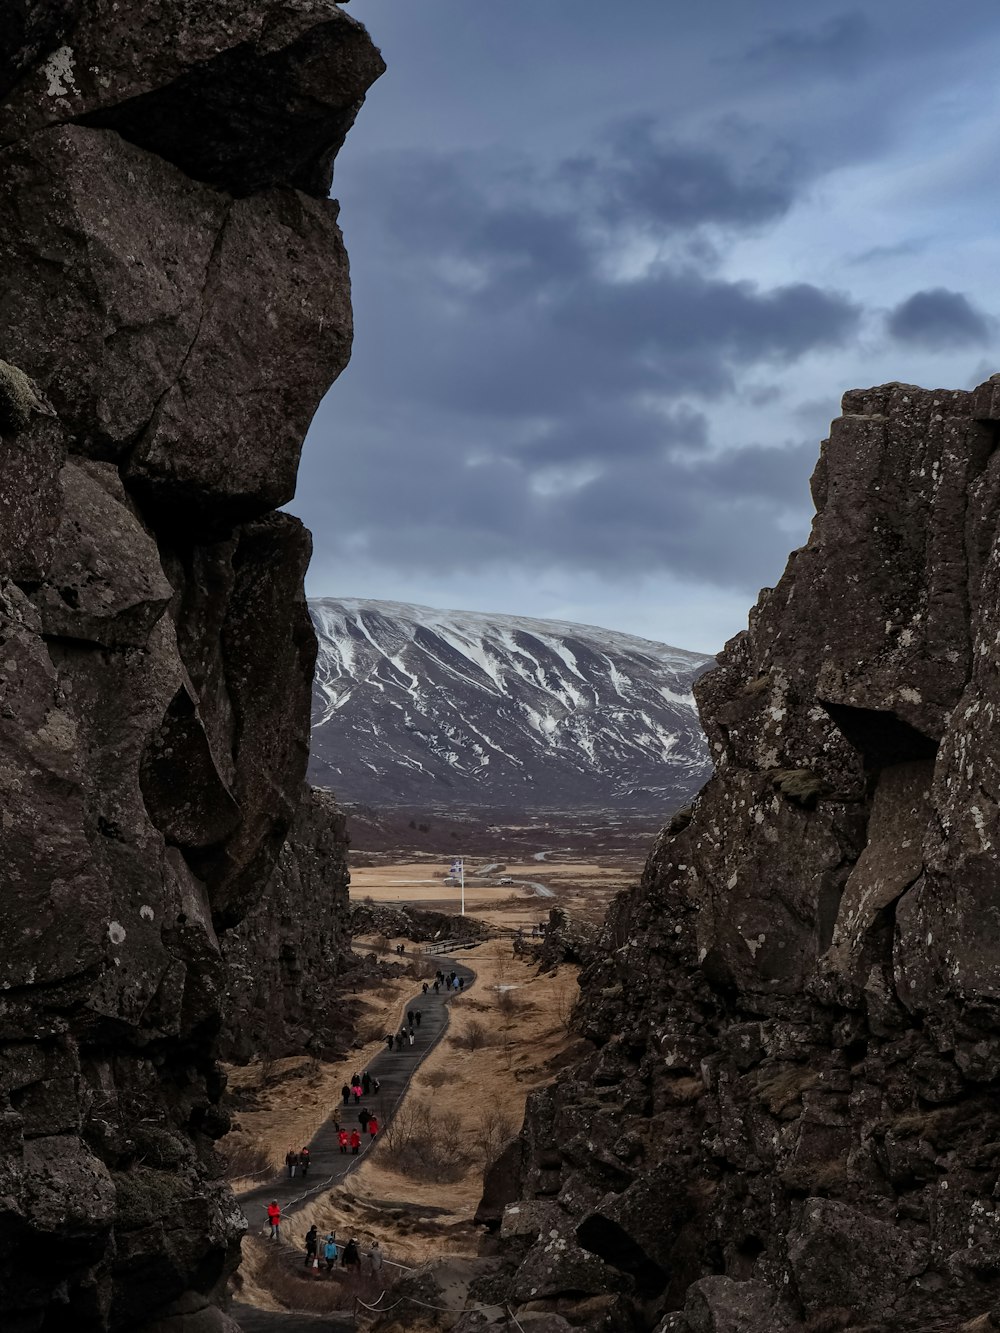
column 541, row 890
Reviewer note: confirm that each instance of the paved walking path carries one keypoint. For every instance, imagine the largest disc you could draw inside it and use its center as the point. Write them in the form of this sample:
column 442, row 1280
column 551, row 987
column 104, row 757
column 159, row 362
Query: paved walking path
column 394, row 1069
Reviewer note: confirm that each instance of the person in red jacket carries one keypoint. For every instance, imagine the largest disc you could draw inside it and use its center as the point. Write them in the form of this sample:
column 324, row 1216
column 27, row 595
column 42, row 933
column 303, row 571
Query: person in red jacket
column 274, row 1218
column 355, row 1142
column 372, row 1127
column 342, row 1139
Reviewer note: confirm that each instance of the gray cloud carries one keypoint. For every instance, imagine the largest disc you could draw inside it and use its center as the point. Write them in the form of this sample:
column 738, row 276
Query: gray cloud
column 838, row 47
column 642, row 177
column 513, row 312
column 938, row 319
column 548, row 387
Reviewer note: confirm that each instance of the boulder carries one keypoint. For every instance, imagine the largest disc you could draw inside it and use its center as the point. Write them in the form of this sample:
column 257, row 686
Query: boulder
column 720, row 1305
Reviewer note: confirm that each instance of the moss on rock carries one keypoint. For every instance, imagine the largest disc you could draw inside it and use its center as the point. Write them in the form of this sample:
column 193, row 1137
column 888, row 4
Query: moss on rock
column 18, row 399
column 800, row 785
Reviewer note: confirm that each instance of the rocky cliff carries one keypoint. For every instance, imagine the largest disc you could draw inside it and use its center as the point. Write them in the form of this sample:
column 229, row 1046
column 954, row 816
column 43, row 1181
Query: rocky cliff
column 289, row 962
column 175, row 302
column 790, row 1118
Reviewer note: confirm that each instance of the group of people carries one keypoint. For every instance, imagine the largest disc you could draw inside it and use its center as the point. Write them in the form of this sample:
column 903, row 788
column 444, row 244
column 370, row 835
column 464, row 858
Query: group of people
column 327, row 1247
column 361, row 1085
column 406, row 1034
column 352, row 1138
column 449, row 980
column 349, row 1254
column 297, row 1161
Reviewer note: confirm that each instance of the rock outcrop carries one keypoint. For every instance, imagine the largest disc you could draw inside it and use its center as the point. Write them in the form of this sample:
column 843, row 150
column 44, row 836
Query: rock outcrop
column 175, row 303
column 289, row 962
column 789, row 1118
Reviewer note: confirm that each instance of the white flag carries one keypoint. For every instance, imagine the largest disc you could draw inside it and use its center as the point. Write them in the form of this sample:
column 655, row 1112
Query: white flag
column 456, row 868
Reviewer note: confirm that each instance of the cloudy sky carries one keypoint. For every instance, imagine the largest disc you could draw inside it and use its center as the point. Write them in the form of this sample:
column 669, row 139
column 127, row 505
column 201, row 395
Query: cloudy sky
column 614, row 265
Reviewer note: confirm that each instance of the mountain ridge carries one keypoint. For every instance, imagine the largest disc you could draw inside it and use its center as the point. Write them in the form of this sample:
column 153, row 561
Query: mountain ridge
column 416, row 705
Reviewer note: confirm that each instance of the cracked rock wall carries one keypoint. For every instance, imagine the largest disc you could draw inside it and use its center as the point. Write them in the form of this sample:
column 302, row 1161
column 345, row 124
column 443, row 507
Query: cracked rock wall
column 789, row 1117
column 175, row 302
column 290, row 962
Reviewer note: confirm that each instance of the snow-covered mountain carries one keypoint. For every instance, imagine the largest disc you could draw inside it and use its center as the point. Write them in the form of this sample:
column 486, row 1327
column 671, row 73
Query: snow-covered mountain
column 421, row 708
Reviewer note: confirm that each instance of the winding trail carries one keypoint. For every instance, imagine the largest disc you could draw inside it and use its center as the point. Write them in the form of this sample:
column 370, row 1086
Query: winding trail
column 394, row 1070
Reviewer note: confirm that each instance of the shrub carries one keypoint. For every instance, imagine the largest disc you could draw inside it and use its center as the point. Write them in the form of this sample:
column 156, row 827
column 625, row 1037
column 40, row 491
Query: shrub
column 426, row 1144
column 510, row 1002
column 474, row 1038
column 493, row 1132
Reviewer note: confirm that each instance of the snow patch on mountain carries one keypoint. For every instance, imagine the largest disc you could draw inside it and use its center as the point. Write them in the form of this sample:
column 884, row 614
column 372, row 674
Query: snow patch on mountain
column 415, row 705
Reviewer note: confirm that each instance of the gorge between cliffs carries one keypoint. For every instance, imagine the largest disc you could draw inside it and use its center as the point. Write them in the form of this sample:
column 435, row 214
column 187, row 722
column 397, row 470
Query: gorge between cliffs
column 782, row 1108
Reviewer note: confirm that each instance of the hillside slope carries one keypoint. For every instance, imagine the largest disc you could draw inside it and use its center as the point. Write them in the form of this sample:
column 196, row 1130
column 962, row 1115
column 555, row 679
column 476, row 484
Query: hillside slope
column 413, row 706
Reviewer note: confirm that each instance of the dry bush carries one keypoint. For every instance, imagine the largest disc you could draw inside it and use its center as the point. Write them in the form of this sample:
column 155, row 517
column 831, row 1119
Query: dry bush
column 426, row 1144
column 474, row 1038
column 493, row 1131
column 437, row 1078
column 502, row 956
column 564, row 999
column 244, row 1156
column 510, row 1003
column 381, row 943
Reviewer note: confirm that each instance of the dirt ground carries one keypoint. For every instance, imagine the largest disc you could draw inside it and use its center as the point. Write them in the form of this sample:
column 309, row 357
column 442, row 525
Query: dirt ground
column 481, row 1093
column 582, row 887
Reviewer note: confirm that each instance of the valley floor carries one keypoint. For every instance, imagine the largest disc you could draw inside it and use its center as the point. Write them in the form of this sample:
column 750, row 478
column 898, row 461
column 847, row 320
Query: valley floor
column 417, row 1192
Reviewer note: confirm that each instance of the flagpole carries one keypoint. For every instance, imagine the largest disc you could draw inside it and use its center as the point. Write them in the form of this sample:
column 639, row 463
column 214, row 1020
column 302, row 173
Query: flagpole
column 462, row 863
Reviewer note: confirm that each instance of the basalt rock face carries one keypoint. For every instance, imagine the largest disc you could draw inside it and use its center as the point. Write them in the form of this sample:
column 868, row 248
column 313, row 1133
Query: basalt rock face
column 289, row 960
column 789, row 1118
column 174, row 304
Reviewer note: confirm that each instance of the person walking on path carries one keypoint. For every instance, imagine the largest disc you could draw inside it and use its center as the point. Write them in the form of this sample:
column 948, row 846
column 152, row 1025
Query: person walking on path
column 409, row 1017
column 345, row 1092
column 416, row 1015
column 355, row 1142
column 388, row 1041
column 366, row 1083
column 304, row 1162
column 425, row 992
column 364, row 1115
column 437, row 987
column 330, row 1251
column 411, row 1035
column 372, row 1127
column 352, row 1258
column 356, row 1089
column 401, row 1039
column 291, row 1161
column 375, row 1259
column 312, row 1239
column 461, row 983
column 342, row 1140
column 274, row 1219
